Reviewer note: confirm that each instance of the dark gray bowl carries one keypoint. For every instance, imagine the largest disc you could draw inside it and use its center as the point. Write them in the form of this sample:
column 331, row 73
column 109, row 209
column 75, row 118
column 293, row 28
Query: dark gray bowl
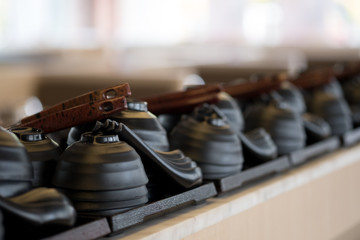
column 144, row 124
column 207, row 138
column 43, row 153
column 98, row 163
column 333, row 109
column 16, row 172
column 257, row 144
column 229, row 107
column 292, row 95
column 283, row 124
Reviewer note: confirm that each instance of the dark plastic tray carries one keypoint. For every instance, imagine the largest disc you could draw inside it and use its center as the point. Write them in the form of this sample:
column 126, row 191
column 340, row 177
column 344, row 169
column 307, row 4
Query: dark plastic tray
column 351, row 137
column 314, row 150
column 252, row 174
column 139, row 215
column 91, row 230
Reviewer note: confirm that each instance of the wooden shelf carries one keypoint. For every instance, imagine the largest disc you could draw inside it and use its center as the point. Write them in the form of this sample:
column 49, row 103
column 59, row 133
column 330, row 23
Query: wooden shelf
column 319, row 200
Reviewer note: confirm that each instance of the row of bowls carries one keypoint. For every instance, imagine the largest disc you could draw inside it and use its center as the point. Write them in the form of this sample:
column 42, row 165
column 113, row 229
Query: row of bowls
column 103, row 174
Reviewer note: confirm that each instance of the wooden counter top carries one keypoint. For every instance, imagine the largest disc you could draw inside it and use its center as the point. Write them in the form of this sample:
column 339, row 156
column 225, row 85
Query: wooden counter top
column 319, row 200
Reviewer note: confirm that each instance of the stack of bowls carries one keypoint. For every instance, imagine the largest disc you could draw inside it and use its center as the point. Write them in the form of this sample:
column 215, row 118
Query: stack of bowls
column 284, row 124
column 231, row 110
column 292, row 95
column 316, row 128
column 43, row 154
column 16, row 173
column 149, row 129
column 257, row 144
column 144, row 124
column 102, row 175
column 206, row 137
column 328, row 102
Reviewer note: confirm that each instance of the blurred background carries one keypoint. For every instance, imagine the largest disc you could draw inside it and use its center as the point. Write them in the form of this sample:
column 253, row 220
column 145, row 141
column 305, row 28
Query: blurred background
column 53, row 50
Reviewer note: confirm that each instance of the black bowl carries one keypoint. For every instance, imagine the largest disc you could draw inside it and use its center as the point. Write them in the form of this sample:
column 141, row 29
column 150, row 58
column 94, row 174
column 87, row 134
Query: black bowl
column 229, row 107
column 102, row 174
column 283, row 124
column 333, row 109
column 16, row 172
column 144, row 124
column 292, row 96
column 98, row 163
column 43, row 153
column 257, row 144
column 207, row 138
column 169, row 121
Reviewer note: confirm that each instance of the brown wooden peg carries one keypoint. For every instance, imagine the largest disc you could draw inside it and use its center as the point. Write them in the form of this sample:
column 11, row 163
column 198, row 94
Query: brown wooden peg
column 77, row 115
column 184, row 101
column 87, row 98
column 250, row 89
column 314, row 78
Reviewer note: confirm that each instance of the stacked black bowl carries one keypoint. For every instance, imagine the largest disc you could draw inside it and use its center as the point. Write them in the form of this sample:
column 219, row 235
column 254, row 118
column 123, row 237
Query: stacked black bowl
column 284, row 124
column 16, row 172
column 144, row 124
column 231, row 110
column 43, row 154
column 149, row 129
column 257, row 144
column 102, row 175
column 208, row 139
column 329, row 103
column 316, row 128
